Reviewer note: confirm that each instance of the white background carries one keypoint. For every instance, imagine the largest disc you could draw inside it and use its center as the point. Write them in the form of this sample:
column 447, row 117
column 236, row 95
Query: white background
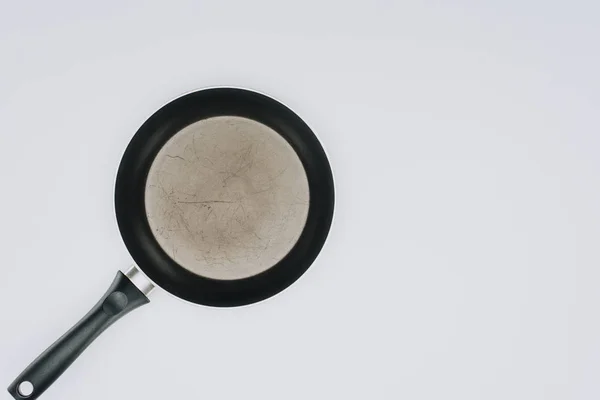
column 464, row 258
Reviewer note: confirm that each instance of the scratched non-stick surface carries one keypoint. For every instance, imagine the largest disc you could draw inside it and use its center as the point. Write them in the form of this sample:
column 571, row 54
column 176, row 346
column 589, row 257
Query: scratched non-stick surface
column 227, row 197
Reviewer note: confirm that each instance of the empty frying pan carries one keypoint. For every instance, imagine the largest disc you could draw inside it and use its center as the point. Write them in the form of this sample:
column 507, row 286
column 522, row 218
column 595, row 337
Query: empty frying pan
column 224, row 197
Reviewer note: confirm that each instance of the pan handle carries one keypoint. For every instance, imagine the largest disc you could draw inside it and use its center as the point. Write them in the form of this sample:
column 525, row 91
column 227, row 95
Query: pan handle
column 121, row 297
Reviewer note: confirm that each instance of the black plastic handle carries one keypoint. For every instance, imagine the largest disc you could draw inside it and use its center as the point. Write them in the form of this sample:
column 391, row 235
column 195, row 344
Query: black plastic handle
column 122, row 297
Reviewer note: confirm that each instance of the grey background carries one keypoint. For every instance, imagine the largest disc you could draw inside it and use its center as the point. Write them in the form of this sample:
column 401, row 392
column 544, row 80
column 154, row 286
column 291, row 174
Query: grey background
column 463, row 262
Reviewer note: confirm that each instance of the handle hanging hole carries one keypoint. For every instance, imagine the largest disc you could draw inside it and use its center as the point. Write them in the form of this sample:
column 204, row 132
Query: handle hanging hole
column 25, row 388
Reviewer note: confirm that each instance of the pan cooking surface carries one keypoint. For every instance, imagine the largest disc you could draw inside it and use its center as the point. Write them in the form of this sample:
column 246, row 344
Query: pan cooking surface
column 227, row 197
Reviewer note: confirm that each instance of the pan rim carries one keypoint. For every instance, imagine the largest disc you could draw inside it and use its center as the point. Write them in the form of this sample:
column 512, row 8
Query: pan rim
column 151, row 137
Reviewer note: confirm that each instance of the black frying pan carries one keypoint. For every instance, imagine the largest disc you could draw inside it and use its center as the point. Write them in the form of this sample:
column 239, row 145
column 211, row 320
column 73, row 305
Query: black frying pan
column 128, row 291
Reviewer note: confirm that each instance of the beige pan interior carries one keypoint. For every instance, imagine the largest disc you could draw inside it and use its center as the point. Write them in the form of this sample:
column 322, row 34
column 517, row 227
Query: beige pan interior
column 227, row 197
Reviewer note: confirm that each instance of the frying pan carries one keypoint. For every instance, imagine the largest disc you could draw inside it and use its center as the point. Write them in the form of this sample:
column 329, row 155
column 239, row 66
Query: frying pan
column 154, row 264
